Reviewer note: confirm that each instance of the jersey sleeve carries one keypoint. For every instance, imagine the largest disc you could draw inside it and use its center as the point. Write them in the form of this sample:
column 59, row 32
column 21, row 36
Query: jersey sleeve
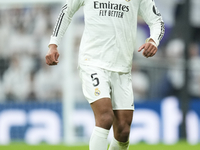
column 149, row 12
column 64, row 19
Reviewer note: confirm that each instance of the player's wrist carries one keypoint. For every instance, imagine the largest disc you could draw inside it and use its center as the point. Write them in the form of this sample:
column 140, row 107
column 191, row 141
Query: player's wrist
column 52, row 46
column 150, row 40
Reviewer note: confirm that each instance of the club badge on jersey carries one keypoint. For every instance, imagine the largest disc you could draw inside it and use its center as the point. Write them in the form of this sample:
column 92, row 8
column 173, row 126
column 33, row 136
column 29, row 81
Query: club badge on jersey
column 97, row 92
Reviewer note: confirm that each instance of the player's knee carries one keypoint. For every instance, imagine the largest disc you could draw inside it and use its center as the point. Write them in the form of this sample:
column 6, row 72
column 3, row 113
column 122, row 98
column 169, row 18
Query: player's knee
column 123, row 129
column 125, row 133
column 106, row 120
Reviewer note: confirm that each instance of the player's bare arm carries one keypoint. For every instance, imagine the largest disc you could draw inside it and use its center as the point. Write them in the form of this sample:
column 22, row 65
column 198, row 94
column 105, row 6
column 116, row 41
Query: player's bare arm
column 149, row 48
column 52, row 55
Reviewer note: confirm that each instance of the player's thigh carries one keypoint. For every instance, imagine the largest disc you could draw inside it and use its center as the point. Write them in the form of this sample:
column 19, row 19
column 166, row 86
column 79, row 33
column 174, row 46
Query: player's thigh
column 102, row 106
column 123, row 118
column 95, row 83
column 122, row 123
column 122, row 92
column 104, row 115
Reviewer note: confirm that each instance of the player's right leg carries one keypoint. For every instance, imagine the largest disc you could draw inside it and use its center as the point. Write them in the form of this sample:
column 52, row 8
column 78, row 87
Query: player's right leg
column 104, row 117
column 96, row 89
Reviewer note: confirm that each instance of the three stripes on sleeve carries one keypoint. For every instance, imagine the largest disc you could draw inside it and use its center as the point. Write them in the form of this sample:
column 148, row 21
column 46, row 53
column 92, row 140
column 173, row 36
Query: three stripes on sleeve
column 59, row 21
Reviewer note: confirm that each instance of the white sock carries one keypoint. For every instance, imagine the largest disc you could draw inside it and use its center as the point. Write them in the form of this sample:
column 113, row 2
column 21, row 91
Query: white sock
column 98, row 140
column 116, row 145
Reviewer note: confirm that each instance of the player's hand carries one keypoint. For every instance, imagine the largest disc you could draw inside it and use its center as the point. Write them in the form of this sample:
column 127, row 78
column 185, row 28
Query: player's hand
column 150, row 48
column 52, row 55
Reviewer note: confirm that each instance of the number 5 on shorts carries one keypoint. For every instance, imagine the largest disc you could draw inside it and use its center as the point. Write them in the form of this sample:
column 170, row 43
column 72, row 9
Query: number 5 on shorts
column 95, row 79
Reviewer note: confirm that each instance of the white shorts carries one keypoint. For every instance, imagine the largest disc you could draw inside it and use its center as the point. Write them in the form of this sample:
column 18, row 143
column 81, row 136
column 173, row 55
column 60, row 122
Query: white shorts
column 98, row 83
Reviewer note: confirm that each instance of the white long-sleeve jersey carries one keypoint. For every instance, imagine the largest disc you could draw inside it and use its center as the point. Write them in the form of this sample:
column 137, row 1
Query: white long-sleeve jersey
column 110, row 30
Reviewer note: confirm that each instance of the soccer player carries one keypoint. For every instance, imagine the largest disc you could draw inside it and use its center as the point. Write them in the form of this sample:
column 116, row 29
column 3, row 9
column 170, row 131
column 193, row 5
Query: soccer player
column 105, row 60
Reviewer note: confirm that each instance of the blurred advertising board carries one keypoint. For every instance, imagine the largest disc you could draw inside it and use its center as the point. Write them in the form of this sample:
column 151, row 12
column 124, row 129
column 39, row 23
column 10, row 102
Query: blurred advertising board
column 153, row 122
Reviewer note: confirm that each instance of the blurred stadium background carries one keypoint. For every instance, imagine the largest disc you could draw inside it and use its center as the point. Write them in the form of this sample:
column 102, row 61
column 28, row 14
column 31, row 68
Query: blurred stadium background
column 42, row 104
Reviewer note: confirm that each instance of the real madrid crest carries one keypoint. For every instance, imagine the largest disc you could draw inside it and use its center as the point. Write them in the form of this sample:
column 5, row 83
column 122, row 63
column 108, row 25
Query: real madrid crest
column 97, row 92
column 128, row 0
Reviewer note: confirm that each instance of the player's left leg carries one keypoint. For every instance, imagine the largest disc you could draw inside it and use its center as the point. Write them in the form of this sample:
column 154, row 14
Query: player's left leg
column 123, row 106
column 122, row 124
column 121, row 127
